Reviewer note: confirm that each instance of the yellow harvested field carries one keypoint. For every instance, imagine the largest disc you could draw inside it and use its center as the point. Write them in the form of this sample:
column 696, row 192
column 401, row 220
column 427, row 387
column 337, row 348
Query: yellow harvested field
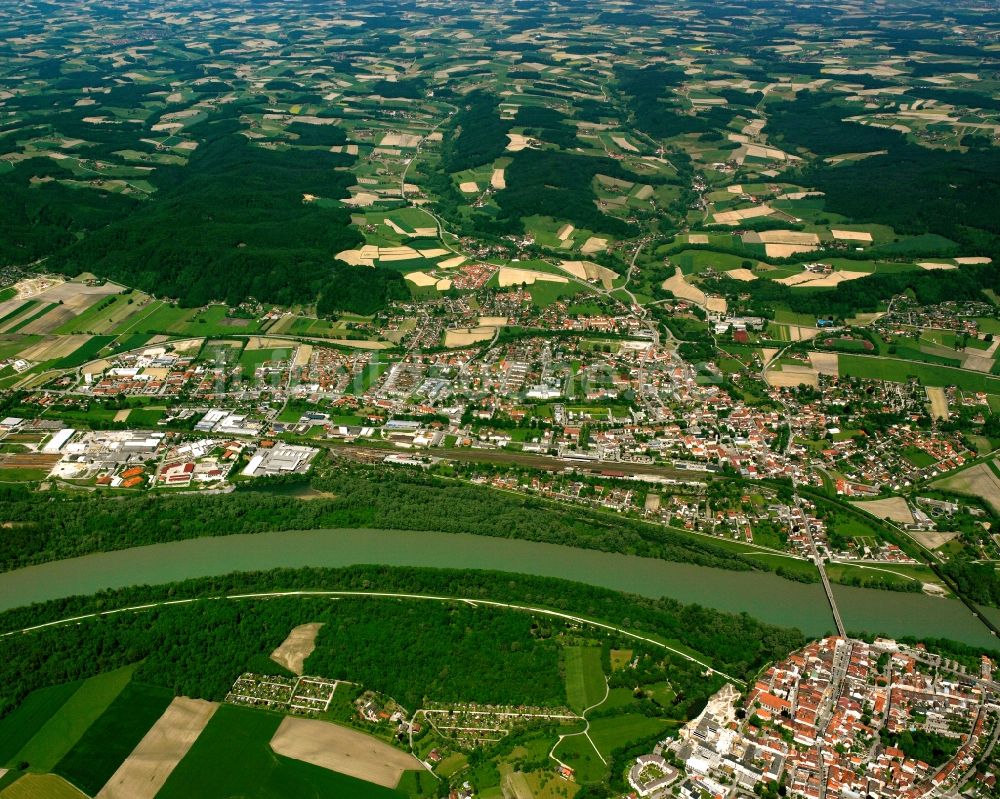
column 786, row 250
column 697, row 238
column 792, row 376
column 734, row 189
column 443, row 284
column 979, row 481
column 421, row 279
column 812, row 279
column 594, row 245
column 767, row 353
column 497, row 180
column 492, row 321
column 825, row 363
column 938, row 400
column 588, row 270
column 717, row 305
column 303, row 354
column 399, row 140
column 55, row 347
column 565, row 232
column 340, row 749
column 267, row 342
column 451, row 263
column 469, row 187
column 41, row 786
column 510, row 276
column 772, row 153
column 122, row 415
column 435, row 253
column 851, row 235
column 974, row 259
column 935, row 265
column 355, row 258
column 784, row 237
column 684, row 290
column 741, row 274
column 146, row 770
column 517, row 142
column 297, row 647
column 894, row 509
column 625, row 144
column 464, row 336
column 735, row 217
column 644, row 193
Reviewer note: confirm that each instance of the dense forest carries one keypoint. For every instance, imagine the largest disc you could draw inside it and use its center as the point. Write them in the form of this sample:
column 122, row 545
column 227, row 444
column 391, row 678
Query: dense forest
column 932, row 190
column 66, row 525
column 197, row 649
column 558, row 184
column 360, row 290
column 228, row 226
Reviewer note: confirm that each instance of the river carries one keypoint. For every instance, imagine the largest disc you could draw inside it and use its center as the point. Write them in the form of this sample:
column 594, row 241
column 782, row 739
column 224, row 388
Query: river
column 761, row 594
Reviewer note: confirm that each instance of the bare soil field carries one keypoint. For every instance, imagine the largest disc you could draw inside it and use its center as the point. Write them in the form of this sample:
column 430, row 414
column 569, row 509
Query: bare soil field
column 684, row 290
column 978, row 481
column 146, row 770
column 894, row 509
column 343, row 750
column 741, row 274
column 298, row 646
column 938, row 400
column 792, row 376
column 594, row 244
column 825, row 363
column 517, row 142
column 56, row 347
column 932, row 539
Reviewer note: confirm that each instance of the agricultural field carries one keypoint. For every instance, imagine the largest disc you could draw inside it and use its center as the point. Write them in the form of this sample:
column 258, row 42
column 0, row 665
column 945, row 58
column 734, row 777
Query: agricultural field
column 240, row 738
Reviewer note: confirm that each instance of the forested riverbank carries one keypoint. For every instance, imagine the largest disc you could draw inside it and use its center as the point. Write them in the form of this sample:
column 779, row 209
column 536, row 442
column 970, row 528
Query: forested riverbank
column 64, row 524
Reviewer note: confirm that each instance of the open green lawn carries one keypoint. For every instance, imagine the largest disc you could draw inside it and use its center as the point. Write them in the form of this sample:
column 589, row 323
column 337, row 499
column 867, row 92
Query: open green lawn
column 874, row 368
column 68, row 724
column 613, row 732
column 584, row 676
column 578, row 753
column 19, row 727
column 231, row 758
column 110, row 739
